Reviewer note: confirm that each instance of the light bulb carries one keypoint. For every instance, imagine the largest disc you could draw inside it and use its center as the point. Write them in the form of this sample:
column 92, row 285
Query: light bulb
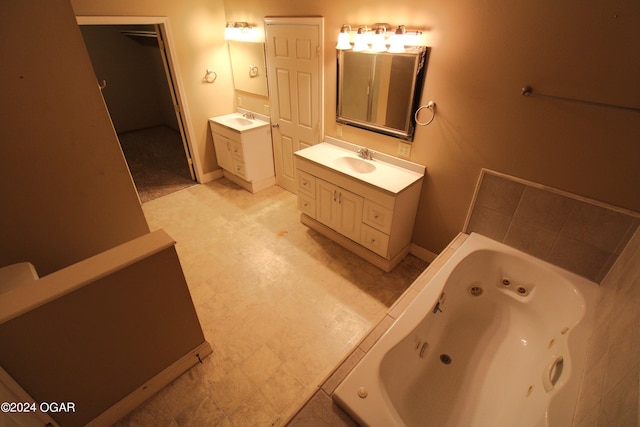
column 378, row 44
column 361, row 40
column 343, row 38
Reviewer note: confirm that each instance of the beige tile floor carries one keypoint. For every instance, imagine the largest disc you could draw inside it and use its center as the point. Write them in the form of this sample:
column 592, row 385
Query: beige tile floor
column 280, row 305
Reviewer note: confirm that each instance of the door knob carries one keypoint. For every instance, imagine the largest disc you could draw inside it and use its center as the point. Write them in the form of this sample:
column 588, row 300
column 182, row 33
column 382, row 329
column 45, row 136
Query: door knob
column 275, row 125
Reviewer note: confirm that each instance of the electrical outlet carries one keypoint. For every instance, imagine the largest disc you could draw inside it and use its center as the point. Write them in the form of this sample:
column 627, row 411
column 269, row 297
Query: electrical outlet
column 404, row 150
column 239, row 101
column 267, row 109
column 339, row 130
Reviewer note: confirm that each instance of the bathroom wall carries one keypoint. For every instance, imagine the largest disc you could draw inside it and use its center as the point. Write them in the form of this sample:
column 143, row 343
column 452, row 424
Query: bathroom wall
column 483, row 53
column 197, row 28
column 610, row 389
column 66, row 190
column 137, row 93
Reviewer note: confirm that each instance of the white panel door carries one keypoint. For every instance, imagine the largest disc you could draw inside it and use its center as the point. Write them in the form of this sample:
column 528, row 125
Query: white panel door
column 294, row 57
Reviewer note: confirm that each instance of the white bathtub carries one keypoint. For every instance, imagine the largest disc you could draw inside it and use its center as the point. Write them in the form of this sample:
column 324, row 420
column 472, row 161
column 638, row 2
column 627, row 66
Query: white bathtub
column 495, row 338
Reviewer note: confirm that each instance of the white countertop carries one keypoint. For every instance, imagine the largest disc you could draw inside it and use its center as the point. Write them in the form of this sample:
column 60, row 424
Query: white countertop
column 237, row 123
column 391, row 173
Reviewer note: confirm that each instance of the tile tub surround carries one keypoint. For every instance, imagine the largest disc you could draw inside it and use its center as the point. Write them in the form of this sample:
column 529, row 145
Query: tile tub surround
column 610, row 389
column 575, row 233
column 279, row 304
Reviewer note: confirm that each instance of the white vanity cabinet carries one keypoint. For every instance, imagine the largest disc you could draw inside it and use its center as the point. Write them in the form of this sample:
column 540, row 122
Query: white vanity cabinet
column 245, row 155
column 374, row 222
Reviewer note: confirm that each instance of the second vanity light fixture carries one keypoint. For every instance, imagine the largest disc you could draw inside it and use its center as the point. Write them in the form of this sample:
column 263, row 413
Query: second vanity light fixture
column 376, row 38
column 238, row 31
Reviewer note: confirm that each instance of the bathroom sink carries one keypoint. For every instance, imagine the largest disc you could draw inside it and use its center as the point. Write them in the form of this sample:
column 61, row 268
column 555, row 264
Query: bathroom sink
column 355, row 164
column 238, row 123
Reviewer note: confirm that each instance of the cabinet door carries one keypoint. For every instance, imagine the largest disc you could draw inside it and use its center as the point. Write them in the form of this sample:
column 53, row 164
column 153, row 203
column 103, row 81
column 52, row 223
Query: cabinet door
column 326, row 206
column 221, row 145
column 339, row 209
column 349, row 214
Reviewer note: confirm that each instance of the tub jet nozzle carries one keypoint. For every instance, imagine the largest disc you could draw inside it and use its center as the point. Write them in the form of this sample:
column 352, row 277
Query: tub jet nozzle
column 475, row 291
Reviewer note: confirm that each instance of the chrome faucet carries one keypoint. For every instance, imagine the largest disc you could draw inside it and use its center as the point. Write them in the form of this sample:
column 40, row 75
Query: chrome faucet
column 365, row 153
column 249, row 115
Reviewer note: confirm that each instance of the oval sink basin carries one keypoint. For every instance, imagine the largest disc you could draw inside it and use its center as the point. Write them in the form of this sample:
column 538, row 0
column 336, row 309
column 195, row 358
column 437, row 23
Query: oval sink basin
column 238, row 121
column 355, row 164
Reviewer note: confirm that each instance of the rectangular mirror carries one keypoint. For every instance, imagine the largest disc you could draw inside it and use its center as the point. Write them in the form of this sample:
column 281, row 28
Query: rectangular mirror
column 249, row 67
column 380, row 91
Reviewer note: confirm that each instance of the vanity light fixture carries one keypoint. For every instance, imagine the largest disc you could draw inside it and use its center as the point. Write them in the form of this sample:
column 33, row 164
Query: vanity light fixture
column 376, row 39
column 237, row 30
column 343, row 38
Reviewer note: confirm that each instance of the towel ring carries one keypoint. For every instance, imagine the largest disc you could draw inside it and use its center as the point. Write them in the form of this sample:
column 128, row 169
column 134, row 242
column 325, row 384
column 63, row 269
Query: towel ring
column 210, row 76
column 430, row 105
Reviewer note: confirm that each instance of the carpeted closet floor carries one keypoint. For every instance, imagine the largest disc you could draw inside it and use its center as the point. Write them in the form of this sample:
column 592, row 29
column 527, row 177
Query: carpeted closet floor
column 157, row 161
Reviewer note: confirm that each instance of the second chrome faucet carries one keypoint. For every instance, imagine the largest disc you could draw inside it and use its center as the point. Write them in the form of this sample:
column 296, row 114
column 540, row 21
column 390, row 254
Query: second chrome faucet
column 365, row 153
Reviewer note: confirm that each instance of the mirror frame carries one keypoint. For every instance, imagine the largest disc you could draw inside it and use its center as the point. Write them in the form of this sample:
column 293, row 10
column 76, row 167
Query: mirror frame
column 421, row 54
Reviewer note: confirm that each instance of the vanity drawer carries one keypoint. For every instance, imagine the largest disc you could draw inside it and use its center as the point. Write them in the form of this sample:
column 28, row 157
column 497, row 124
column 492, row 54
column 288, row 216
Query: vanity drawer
column 307, row 184
column 307, row 205
column 374, row 240
column 377, row 216
column 236, row 150
column 239, row 169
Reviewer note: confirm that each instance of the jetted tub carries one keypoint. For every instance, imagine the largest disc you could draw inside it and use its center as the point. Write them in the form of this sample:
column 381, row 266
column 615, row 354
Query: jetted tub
column 495, row 338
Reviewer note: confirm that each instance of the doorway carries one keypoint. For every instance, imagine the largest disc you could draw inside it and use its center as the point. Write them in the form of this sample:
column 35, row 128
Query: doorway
column 138, row 87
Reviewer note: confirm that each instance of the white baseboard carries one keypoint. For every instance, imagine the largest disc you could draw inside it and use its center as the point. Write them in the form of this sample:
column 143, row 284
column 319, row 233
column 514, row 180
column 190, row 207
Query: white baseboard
column 422, row 253
column 211, row 176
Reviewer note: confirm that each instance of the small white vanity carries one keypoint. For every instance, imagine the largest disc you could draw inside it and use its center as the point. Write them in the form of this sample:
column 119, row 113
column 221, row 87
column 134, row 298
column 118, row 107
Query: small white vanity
column 243, row 148
column 366, row 205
